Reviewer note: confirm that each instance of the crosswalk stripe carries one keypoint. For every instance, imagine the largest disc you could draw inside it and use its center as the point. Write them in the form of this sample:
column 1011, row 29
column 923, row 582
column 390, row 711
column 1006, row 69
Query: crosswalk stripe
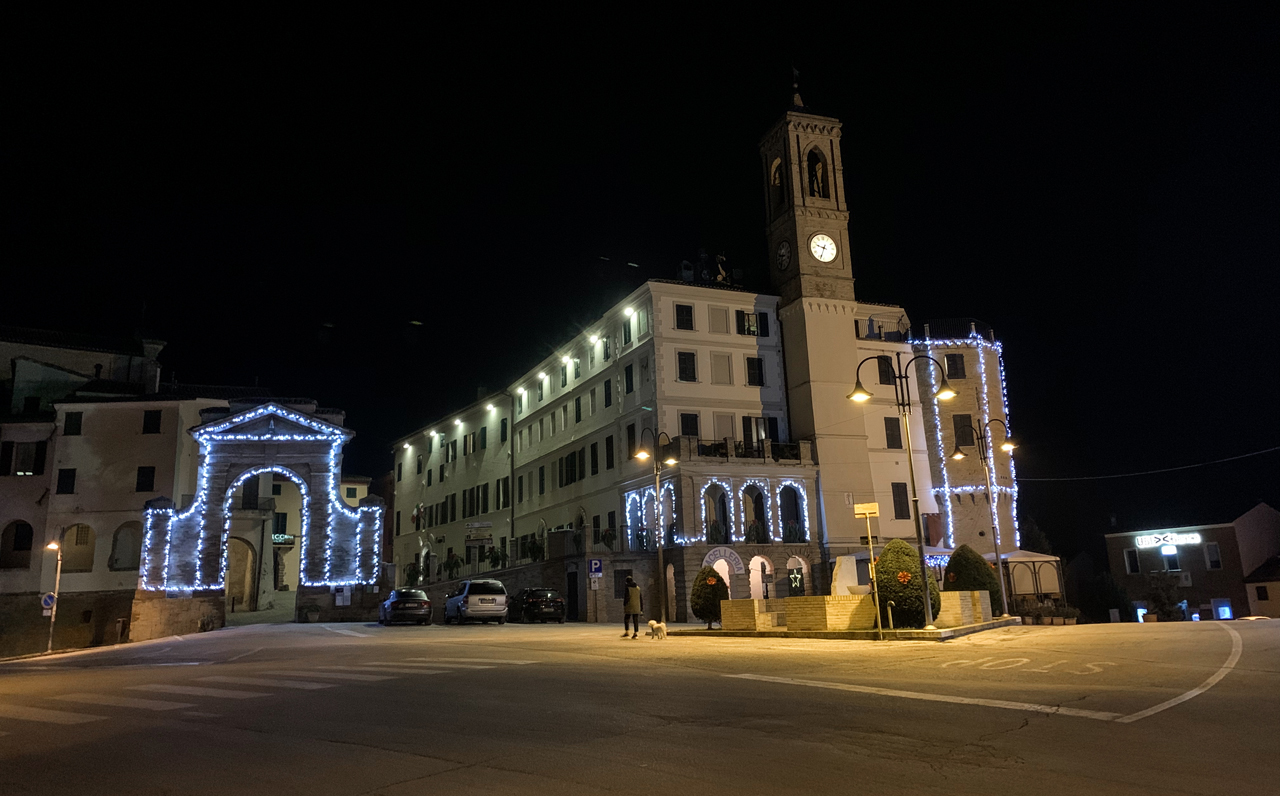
column 478, row 660
column 301, row 685
column 193, row 690
column 25, row 713
column 393, row 671
column 364, row 678
column 124, row 702
column 438, row 663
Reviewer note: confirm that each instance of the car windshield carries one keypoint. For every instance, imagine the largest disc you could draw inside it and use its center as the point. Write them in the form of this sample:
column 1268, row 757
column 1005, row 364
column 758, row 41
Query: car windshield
column 544, row 594
column 409, row 594
column 486, row 587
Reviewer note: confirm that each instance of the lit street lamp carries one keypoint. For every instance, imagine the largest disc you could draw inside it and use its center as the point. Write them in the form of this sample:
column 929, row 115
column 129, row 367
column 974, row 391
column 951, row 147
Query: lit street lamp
column 643, row 454
column 57, row 581
column 984, row 440
column 902, row 396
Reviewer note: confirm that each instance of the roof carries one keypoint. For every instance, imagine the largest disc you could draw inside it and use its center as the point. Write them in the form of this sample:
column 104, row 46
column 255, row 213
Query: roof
column 73, row 340
column 168, row 392
column 1269, row 572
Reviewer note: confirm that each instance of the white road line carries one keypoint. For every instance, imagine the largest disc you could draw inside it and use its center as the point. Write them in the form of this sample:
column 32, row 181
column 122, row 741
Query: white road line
column 124, row 702
column 393, row 671
column 25, row 713
column 346, row 632
column 890, row 692
column 192, row 690
column 301, row 685
column 1237, row 646
column 364, row 678
column 477, row 660
column 243, row 654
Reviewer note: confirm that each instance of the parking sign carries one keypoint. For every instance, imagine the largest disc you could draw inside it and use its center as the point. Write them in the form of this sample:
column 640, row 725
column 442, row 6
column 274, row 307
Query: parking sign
column 595, row 567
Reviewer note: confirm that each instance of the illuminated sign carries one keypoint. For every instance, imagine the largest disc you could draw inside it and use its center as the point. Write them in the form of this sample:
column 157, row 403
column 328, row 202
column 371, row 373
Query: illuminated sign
column 1163, row 539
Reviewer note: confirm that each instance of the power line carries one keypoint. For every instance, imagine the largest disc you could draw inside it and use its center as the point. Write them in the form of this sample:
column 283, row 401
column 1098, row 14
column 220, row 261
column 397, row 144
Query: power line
column 1152, row 472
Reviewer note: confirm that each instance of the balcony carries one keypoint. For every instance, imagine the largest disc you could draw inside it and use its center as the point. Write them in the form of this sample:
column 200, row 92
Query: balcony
column 692, row 449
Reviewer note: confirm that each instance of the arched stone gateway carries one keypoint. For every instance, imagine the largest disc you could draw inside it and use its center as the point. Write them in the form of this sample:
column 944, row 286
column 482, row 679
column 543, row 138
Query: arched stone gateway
column 185, row 550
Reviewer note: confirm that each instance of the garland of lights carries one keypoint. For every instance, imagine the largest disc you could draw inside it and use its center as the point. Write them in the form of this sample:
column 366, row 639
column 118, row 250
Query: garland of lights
column 763, row 486
column 359, row 521
column 728, row 496
column 804, row 505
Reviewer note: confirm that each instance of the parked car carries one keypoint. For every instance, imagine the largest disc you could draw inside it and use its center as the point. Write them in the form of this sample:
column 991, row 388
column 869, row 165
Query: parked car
column 405, row 605
column 482, row 600
column 538, row 605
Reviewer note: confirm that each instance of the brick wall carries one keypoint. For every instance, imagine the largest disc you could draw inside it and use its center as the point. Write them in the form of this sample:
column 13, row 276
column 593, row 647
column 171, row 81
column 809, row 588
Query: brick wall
column 964, row 608
column 840, row 612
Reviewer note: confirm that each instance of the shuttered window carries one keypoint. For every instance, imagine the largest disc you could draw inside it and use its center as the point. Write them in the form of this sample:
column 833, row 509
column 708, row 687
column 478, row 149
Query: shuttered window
column 886, row 369
column 688, row 366
column 893, row 433
column 684, row 316
column 963, row 425
column 901, row 503
column 755, row 372
column 689, row 424
column 721, row 368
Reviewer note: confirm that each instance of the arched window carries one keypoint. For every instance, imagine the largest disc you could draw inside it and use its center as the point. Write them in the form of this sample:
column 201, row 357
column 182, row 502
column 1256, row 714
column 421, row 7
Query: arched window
column 78, row 545
column 15, row 545
column 777, row 187
column 126, row 547
column 819, row 174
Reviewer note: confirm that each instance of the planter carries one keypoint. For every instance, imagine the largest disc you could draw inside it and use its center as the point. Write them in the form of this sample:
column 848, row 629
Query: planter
column 312, row 616
column 1057, row 620
column 1070, row 620
column 1028, row 620
column 1045, row 620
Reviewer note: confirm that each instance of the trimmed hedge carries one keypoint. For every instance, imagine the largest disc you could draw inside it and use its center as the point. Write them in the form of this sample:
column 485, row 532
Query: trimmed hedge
column 709, row 589
column 898, row 581
column 969, row 571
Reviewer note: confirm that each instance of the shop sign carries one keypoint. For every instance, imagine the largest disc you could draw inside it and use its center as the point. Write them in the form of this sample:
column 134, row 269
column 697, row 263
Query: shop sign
column 1162, row 539
column 724, row 554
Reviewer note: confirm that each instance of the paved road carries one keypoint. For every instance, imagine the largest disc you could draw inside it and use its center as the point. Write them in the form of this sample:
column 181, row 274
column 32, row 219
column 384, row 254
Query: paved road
column 361, row 709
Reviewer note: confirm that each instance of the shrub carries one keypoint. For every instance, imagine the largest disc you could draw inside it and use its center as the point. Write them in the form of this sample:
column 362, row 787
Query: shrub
column 1162, row 598
column 715, row 534
column 756, row 533
column 898, row 581
column 968, row 571
column 411, row 575
column 792, row 533
column 498, row 557
column 709, row 589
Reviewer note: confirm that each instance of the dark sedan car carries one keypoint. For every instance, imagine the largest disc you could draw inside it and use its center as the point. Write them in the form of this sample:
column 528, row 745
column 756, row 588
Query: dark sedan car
column 405, row 605
column 538, row 605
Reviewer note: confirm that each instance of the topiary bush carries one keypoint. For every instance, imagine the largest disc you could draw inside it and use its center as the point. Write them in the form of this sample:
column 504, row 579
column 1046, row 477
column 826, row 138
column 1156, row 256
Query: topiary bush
column 969, row 571
column 898, row 581
column 709, row 589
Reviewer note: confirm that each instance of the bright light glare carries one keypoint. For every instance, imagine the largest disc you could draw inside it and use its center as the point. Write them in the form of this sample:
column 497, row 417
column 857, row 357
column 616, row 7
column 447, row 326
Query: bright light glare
column 1007, row 445
column 670, row 461
column 520, row 390
column 642, row 455
column 51, row 546
column 489, row 407
column 406, row 446
column 628, row 312
column 595, row 338
column 457, row 422
column 564, row 360
column 1168, row 550
column 541, row 375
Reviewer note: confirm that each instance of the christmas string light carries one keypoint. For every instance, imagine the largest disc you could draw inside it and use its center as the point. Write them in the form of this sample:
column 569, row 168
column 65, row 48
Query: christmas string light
column 804, row 504
column 728, row 496
column 763, row 486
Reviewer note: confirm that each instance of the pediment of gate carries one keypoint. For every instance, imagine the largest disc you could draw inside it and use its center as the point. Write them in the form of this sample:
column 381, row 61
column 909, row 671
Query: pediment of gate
column 270, row 420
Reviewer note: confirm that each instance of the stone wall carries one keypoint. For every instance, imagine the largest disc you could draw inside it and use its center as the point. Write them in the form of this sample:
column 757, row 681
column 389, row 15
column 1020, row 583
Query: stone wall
column 363, row 608
column 156, row 615
column 85, row 619
column 964, row 608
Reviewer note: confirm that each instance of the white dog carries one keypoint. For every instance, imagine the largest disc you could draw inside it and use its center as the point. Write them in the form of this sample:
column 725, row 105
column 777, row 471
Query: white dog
column 657, row 629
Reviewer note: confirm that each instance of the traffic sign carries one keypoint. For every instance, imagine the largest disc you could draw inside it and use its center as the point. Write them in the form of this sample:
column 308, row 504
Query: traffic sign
column 47, row 601
column 595, row 567
column 866, row 509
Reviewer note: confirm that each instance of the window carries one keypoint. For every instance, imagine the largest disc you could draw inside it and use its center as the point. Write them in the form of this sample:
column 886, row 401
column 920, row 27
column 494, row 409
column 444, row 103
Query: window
column 276, row 490
column 595, row 458
column 577, row 409
column 631, row 440
column 746, row 322
column 520, row 489
column 351, row 490
column 688, row 424
column 541, row 392
column 505, row 493
column 397, row 523
column 15, row 545
column 955, row 366
column 1212, row 556
column 1263, row 596
column 441, row 474
column 22, row 458
column 901, row 505
column 718, row 320
column 151, row 421
column 688, row 366
column 484, row 498
column 593, row 400
column 430, row 473
column 613, row 520
column 755, row 372
column 146, row 480
column 431, row 441
column 1131, row 566
column 399, row 471
column 608, row 352
column 577, row 368
column 963, row 425
column 453, row 450
column 893, row 433
column 67, row 481
column 419, row 465
column 608, row 393
column 628, row 379
column 468, row 443
column 721, row 368
column 626, row 331
column 484, row 437
column 280, row 523
column 608, row 452
column 564, row 376
column 595, row 529
column 684, row 316
column 582, row 463
column 885, row 365
column 502, row 431
column 542, row 480
column 453, row 507
column 71, row 424
column 1171, row 561
column 564, row 417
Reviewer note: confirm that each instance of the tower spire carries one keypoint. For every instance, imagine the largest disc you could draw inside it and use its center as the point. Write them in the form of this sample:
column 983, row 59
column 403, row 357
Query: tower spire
column 797, row 104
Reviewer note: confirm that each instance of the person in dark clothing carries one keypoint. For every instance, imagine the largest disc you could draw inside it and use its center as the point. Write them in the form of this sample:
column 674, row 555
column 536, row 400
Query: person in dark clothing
column 632, row 607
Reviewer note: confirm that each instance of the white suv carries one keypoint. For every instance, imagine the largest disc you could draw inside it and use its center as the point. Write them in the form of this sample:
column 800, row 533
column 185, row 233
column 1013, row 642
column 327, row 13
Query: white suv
column 477, row 599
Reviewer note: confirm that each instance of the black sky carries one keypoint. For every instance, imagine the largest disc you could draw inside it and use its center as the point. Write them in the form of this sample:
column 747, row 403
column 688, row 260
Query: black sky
column 280, row 198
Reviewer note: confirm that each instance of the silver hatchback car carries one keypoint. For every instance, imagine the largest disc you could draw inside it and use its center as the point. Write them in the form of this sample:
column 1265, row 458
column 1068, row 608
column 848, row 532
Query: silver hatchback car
column 481, row 600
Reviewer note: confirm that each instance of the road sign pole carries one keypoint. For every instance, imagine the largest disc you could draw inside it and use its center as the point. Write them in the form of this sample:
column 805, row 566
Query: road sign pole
column 53, row 611
column 870, row 510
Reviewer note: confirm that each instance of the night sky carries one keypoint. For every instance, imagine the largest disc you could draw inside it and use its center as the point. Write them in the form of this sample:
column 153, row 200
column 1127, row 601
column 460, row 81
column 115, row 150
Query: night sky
column 280, row 199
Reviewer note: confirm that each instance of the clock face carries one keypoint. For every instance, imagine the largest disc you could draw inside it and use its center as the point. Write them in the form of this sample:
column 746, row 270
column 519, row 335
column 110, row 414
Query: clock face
column 784, row 255
column 822, row 247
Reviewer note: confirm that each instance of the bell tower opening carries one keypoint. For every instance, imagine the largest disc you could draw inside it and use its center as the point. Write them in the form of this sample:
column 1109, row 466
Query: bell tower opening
column 819, row 184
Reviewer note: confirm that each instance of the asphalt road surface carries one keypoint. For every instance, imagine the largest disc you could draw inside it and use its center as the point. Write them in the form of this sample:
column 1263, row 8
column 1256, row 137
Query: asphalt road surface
column 568, row 709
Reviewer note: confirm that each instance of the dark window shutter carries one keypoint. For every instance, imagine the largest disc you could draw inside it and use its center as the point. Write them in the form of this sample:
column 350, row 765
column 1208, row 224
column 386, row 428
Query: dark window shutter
column 37, row 466
column 763, row 320
column 484, row 437
column 742, row 321
column 595, row 458
column 6, row 458
column 773, row 430
column 885, row 365
column 747, row 428
column 582, row 462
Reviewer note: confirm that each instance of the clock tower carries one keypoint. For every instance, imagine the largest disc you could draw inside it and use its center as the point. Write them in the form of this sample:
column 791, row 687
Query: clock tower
column 806, row 216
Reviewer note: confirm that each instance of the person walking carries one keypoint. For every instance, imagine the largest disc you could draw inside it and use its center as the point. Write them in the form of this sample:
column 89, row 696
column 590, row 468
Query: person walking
column 632, row 607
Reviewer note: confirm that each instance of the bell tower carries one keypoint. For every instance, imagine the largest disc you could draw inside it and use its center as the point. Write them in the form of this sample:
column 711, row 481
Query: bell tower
column 806, row 217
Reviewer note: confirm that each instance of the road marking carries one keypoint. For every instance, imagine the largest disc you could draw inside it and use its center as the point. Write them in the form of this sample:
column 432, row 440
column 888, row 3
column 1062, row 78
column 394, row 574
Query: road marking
column 434, row 662
column 393, row 671
column 192, row 690
column 177, row 638
column 124, row 702
column 243, row 655
column 346, row 632
column 1046, row 667
column 1005, row 663
column 366, row 678
column 47, row 716
column 890, row 692
column 476, row 660
column 301, row 685
column 1237, row 646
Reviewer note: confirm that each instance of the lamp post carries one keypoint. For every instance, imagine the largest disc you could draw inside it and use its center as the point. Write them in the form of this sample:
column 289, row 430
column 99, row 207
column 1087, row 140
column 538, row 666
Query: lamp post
column 57, row 581
column 643, row 454
column 902, row 396
column 983, row 437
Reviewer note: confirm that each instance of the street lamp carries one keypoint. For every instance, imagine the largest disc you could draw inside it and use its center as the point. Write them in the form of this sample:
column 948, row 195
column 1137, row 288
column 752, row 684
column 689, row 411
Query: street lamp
column 902, row 396
column 57, row 581
column 670, row 461
column 984, row 439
